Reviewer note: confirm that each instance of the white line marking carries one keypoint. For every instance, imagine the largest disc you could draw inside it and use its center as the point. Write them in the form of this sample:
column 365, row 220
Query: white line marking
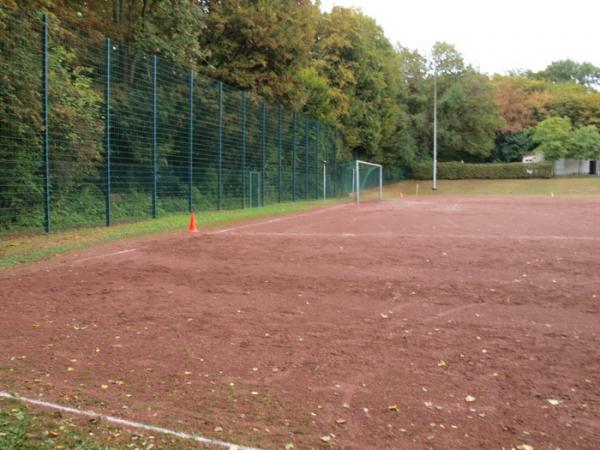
column 420, row 236
column 278, row 219
column 127, row 423
column 122, row 252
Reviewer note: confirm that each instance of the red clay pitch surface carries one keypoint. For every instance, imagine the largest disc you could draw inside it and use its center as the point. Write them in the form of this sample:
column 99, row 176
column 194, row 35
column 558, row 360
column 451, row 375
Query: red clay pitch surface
column 372, row 325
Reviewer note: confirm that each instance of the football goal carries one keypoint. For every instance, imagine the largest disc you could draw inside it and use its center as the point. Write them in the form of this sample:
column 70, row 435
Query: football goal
column 367, row 180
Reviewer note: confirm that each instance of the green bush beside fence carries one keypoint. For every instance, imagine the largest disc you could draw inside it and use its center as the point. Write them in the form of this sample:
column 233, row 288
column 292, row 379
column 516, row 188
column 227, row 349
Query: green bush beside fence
column 492, row 171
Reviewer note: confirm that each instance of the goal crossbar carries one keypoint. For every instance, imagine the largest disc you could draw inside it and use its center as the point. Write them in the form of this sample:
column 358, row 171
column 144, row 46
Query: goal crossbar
column 356, row 183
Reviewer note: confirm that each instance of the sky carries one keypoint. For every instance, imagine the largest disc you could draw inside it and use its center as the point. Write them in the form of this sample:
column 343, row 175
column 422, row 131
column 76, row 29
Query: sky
column 493, row 35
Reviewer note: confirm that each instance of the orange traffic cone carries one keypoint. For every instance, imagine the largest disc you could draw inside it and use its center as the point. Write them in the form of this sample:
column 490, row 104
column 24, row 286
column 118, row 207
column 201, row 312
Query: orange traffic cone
column 192, row 226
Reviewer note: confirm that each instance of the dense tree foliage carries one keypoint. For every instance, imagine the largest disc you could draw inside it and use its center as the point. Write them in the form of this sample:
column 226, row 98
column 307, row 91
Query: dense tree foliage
column 571, row 71
column 338, row 67
column 557, row 138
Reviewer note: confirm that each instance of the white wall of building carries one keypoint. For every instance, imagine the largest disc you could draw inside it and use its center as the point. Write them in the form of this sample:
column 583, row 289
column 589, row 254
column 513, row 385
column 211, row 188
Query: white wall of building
column 566, row 167
column 534, row 158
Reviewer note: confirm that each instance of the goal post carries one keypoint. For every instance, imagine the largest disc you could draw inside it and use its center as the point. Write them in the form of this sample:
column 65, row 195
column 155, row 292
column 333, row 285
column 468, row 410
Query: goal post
column 367, row 176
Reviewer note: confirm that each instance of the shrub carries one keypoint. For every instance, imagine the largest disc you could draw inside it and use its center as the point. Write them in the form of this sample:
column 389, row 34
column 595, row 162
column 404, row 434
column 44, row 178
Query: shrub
column 459, row 171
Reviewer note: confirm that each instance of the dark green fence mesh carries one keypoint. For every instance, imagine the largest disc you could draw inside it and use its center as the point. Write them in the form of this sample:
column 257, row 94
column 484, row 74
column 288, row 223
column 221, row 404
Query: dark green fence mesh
column 131, row 135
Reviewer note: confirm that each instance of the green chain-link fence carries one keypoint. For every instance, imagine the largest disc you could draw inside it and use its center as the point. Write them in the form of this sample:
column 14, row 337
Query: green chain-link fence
column 94, row 131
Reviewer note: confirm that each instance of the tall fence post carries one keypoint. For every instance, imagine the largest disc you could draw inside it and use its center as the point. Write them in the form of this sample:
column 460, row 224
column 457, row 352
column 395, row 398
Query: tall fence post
column 306, row 131
column 107, row 149
column 279, row 152
column 294, row 159
column 335, row 167
column 46, row 141
column 317, row 159
column 263, row 148
column 191, row 141
column 244, row 143
column 154, row 138
column 220, row 146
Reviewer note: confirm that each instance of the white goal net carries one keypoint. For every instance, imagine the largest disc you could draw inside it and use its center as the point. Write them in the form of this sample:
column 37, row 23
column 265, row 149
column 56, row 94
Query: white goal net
column 367, row 181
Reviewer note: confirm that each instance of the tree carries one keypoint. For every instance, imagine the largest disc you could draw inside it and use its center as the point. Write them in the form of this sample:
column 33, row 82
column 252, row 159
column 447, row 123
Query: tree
column 570, row 71
column 582, row 107
column 363, row 72
column 585, row 143
column 260, row 45
column 446, row 60
column 513, row 146
column 553, row 137
column 519, row 107
column 468, row 116
column 169, row 28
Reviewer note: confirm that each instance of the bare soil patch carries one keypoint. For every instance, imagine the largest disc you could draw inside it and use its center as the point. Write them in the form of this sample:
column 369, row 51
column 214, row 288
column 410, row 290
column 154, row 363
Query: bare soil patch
column 435, row 323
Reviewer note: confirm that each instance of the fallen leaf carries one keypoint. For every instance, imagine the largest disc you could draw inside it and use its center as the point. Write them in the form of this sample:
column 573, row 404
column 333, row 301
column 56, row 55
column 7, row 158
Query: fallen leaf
column 326, row 438
column 442, row 364
column 393, row 408
column 554, row 402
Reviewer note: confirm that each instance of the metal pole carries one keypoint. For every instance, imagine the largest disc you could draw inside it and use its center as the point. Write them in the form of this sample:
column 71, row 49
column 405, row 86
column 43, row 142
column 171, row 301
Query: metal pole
column 324, row 181
column 306, row 158
column 220, row 146
column 46, row 140
column 154, row 139
column 357, row 182
column 191, row 142
column 294, row 160
column 244, row 119
column 434, row 185
column 381, row 183
column 107, row 149
column 263, row 146
column 317, row 154
column 335, row 168
column 279, row 150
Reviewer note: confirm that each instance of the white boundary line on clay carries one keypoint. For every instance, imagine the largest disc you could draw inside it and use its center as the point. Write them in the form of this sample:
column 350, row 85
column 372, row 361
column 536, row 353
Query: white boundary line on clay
column 127, row 423
column 279, row 219
column 122, row 252
column 419, row 236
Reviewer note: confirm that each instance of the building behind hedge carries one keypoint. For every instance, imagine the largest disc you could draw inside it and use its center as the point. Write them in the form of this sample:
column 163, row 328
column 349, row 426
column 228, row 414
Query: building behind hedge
column 566, row 166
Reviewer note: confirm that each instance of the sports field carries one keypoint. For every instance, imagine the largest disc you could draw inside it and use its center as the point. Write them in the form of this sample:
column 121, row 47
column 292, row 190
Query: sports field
column 430, row 322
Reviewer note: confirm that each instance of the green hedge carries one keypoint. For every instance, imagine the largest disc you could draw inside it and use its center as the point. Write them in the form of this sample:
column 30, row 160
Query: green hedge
column 459, row 171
